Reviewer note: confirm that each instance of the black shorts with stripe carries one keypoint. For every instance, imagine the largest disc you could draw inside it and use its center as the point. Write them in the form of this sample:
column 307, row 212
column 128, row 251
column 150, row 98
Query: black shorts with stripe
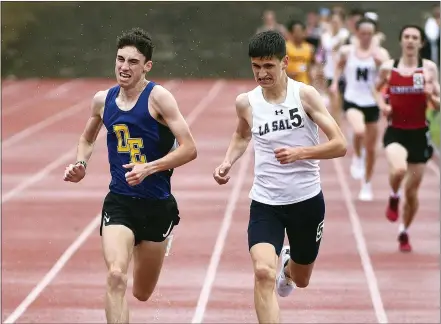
column 302, row 221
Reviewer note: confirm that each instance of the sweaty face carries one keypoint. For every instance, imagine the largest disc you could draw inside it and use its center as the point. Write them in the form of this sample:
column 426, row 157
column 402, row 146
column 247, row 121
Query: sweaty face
column 267, row 71
column 130, row 66
column 365, row 33
column 411, row 41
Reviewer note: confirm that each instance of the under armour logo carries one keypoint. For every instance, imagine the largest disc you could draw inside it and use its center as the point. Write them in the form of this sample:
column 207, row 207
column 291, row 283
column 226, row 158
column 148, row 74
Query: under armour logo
column 279, row 112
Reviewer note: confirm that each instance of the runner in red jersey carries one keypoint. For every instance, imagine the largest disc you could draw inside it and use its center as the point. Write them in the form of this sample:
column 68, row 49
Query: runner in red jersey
column 412, row 85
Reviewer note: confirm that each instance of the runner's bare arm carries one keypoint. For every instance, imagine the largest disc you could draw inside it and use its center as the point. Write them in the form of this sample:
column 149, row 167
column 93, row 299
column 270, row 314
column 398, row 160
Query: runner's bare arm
column 341, row 56
column 383, row 74
column 93, row 126
column 434, row 97
column 382, row 80
column 164, row 103
column 242, row 136
column 338, row 44
column 314, row 106
column 381, row 55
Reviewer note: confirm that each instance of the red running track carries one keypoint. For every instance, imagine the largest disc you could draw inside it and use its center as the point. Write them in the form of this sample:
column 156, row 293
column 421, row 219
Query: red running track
column 360, row 276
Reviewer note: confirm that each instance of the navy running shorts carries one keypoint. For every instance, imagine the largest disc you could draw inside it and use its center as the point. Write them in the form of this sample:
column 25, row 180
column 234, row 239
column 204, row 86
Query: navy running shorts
column 302, row 221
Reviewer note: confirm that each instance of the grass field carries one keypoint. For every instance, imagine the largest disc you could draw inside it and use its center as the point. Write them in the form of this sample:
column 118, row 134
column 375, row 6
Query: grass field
column 435, row 120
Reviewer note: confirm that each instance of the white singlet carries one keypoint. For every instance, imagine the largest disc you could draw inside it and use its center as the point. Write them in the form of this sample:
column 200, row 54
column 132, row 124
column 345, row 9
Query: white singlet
column 360, row 76
column 282, row 125
column 328, row 42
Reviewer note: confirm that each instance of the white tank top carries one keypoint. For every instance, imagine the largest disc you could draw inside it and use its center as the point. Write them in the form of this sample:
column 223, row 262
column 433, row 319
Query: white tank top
column 282, row 125
column 328, row 42
column 360, row 75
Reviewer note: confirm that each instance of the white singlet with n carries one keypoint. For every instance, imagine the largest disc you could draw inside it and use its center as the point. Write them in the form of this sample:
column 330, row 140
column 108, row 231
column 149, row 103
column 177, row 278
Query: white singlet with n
column 360, row 75
column 276, row 126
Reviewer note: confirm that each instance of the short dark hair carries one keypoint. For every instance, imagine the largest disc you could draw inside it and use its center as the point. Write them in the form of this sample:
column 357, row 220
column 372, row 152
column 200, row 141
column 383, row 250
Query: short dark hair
column 267, row 44
column 356, row 12
column 365, row 20
column 138, row 38
column 421, row 31
column 292, row 23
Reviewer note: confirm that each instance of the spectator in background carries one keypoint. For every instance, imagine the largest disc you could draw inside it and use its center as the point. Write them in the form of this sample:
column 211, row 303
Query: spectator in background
column 431, row 29
column 270, row 23
column 325, row 16
column 313, row 29
column 300, row 53
column 339, row 10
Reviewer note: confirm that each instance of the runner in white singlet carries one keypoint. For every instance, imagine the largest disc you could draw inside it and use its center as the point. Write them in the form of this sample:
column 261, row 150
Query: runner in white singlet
column 335, row 37
column 283, row 117
column 360, row 74
column 359, row 63
column 282, row 125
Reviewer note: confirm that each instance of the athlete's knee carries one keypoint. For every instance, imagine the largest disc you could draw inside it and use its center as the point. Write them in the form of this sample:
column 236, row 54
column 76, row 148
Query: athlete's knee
column 116, row 280
column 371, row 150
column 300, row 274
column 359, row 131
column 300, row 269
column 265, row 273
column 142, row 295
column 301, row 282
column 334, row 95
column 399, row 171
column 411, row 195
